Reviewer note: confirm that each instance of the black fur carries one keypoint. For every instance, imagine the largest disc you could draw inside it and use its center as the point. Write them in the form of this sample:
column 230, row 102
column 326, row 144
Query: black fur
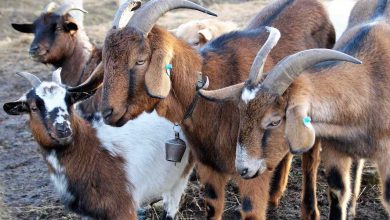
column 246, row 204
column 309, row 198
column 334, row 179
column 380, row 9
column 335, row 210
column 210, row 211
column 387, row 190
column 282, row 7
column 209, row 191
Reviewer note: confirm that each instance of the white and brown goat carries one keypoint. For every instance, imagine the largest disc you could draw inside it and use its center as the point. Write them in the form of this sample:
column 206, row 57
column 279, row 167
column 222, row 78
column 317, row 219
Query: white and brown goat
column 135, row 57
column 101, row 171
column 344, row 105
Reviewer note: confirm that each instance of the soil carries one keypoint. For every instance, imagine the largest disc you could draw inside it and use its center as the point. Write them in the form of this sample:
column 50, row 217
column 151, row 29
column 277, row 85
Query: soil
column 25, row 189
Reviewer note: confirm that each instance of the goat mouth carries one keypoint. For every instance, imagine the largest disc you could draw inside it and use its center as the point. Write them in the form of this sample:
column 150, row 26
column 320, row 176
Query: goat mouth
column 38, row 56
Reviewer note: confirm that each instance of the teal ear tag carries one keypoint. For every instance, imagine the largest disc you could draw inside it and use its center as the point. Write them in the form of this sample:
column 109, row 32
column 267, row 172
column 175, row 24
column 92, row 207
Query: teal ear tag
column 307, row 121
column 168, row 68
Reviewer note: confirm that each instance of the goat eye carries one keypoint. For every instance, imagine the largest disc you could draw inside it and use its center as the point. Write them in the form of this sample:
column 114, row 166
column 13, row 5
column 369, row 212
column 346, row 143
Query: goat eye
column 196, row 44
column 140, row 62
column 275, row 123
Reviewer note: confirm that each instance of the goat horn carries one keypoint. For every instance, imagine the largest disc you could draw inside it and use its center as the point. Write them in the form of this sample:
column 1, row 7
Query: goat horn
column 50, row 7
column 56, row 76
column 92, row 83
column 287, row 70
column 124, row 13
column 224, row 94
column 65, row 8
column 34, row 80
column 145, row 18
column 256, row 71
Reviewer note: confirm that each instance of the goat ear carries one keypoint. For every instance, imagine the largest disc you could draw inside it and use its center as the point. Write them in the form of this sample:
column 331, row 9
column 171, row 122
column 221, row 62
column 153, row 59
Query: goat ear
column 300, row 134
column 16, row 108
column 157, row 81
column 74, row 97
column 230, row 93
column 71, row 27
column 205, row 34
column 24, row 28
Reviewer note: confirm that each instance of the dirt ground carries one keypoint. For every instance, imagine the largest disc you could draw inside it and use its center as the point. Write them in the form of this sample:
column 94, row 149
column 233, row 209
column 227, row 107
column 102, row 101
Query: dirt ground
column 25, row 189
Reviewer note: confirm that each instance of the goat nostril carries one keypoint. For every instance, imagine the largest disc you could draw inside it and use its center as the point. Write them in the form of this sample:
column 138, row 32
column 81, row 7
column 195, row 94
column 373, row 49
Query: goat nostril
column 244, row 172
column 107, row 113
column 33, row 49
column 61, row 128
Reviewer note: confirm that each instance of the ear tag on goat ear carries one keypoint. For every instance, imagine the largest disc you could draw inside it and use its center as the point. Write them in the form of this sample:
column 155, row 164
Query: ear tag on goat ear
column 175, row 148
column 168, row 68
column 307, row 121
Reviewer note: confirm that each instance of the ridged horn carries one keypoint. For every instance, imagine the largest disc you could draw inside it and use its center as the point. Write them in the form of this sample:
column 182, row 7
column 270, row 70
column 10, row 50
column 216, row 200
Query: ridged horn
column 256, row 70
column 34, row 80
column 145, row 17
column 49, row 8
column 56, row 76
column 125, row 12
column 287, row 70
column 92, row 83
column 66, row 8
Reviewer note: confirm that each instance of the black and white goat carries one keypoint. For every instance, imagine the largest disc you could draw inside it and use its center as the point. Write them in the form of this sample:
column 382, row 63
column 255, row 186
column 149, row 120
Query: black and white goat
column 101, row 171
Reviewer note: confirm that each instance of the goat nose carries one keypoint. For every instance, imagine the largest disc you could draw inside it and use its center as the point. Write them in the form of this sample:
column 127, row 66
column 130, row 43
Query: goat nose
column 61, row 128
column 244, row 172
column 106, row 113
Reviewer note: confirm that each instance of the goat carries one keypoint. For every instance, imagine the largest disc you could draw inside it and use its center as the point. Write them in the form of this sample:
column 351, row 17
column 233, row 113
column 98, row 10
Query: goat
column 101, row 171
column 135, row 58
column 60, row 40
column 198, row 32
column 346, row 103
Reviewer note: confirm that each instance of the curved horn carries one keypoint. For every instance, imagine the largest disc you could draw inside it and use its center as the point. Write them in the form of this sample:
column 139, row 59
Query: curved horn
column 65, row 8
column 50, row 7
column 124, row 13
column 56, row 76
column 256, row 71
column 225, row 94
column 145, row 18
column 287, row 70
column 92, row 83
column 34, row 80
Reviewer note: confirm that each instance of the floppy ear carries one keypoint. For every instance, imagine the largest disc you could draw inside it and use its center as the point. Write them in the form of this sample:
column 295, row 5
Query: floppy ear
column 16, row 108
column 24, row 28
column 230, row 93
column 157, row 81
column 205, row 34
column 71, row 27
column 300, row 135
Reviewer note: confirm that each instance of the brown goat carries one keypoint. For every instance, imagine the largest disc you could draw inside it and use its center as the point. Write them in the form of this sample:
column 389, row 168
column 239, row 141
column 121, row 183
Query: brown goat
column 136, row 80
column 347, row 104
column 60, row 40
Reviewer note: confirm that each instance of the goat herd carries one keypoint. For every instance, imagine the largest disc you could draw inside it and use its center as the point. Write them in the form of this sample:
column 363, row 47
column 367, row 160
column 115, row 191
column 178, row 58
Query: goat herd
column 244, row 102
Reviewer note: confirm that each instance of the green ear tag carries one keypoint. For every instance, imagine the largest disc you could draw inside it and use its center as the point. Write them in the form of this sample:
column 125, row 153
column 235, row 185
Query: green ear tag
column 307, row 121
column 168, row 68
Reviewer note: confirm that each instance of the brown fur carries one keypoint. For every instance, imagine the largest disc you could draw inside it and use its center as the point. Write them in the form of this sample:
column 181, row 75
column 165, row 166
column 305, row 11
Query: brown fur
column 347, row 104
column 226, row 64
column 89, row 170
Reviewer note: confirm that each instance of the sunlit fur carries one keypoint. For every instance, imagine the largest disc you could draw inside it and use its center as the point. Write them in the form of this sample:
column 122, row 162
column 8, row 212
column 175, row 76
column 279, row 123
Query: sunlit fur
column 213, row 128
column 106, row 172
column 347, row 104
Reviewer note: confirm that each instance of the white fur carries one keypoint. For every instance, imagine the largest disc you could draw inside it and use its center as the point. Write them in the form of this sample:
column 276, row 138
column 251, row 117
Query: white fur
column 249, row 94
column 53, row 96
column 141, row 142
column 58, row 177
column 243, row 160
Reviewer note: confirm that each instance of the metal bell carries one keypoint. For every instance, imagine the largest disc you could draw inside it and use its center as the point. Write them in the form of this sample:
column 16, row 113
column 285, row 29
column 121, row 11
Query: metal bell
column 175, row 148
